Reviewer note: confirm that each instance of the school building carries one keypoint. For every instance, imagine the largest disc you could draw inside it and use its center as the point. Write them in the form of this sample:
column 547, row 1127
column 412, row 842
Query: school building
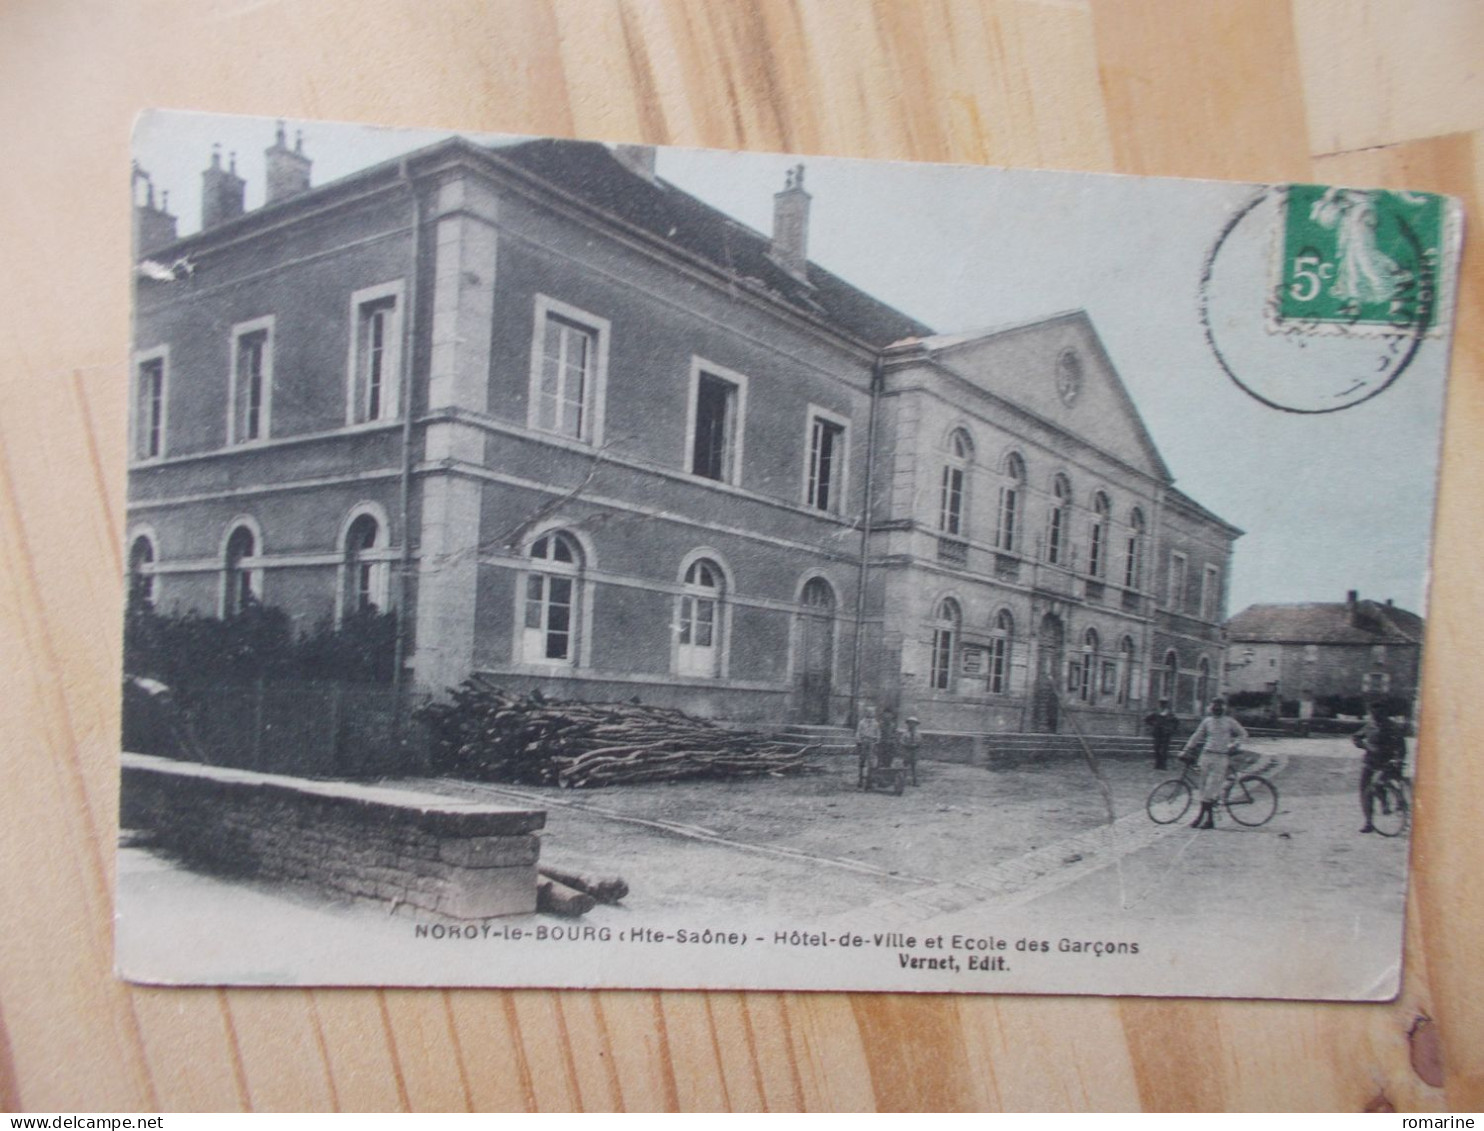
column 586, row 433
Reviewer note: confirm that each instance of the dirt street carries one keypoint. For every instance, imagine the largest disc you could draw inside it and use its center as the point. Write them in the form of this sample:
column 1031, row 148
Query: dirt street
column 1303, row 906
column 815, row 848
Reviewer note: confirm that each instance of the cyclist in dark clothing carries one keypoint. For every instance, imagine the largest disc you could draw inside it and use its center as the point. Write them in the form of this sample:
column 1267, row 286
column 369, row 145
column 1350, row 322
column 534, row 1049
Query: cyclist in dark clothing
column 1385, row 749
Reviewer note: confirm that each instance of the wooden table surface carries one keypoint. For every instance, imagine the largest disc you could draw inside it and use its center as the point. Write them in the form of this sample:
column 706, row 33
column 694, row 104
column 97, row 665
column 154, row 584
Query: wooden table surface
column 1329, row 90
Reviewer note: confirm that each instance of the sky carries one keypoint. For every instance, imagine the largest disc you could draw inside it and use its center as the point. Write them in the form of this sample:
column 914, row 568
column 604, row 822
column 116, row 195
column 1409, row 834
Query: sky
column 1329, row 502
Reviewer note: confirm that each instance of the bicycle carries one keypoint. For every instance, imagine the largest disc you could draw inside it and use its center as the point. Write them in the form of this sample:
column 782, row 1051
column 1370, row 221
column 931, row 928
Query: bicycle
column 1388, row 800
column 1250, row 799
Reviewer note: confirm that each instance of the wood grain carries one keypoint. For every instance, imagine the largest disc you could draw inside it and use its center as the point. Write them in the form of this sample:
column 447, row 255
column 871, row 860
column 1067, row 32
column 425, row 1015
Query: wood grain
column 1256, row 89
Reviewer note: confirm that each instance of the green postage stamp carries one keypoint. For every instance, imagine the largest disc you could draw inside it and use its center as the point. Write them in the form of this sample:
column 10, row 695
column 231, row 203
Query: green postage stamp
column 1360, row 261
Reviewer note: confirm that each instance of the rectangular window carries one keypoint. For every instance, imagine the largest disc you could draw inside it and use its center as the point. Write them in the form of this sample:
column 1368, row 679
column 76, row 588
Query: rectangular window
column 715, row 416
column 375, row 354
column 1005, row 534
column 365, row 586
column 569, row 366
column 998, row 669
column 375, row 320
column 1210, row 593
column 1055, row 534
column 942, row 658
column 1176, row 592
column 825, row 481
column 252, row 381
column 566, row 376
column 149, row 408
column 951, row 510
column 698, row 634
column 548, row 635
column 1378, row 653
column 697, row 621
column 1133, row 563
column 250, row 351
column 716, row 421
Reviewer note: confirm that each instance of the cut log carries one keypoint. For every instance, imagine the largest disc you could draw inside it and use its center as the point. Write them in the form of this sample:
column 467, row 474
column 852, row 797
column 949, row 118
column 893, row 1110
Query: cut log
column 558, row 899
column 605, row 889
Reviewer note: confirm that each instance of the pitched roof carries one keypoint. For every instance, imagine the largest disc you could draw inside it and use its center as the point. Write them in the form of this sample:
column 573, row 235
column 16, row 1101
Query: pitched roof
column 589, row 171
column 1367, row 622
column 956, row 353
column 1181, row 499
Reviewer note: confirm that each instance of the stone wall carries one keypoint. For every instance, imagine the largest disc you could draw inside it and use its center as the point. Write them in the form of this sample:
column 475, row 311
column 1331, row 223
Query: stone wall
column 457, row 858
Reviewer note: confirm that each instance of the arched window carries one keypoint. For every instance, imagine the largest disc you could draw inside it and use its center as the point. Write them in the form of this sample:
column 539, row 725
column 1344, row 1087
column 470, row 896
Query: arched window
column 142, row 571
column 1097, row 537
column 364, row 579
column 552, row 592
column 1203, row 684
column 999, row 652
column 1126, row 672
column 1085, row 682
column 946, row 620
column 243, row 583
column 1012, row 494
column 818, row 596
column 1056, row 527
column 951, row 509
column 699, row 620
column 1133, row 567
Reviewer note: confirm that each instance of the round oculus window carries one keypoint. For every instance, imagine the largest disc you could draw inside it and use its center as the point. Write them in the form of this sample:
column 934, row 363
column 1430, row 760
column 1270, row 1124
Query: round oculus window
column 1069, row 376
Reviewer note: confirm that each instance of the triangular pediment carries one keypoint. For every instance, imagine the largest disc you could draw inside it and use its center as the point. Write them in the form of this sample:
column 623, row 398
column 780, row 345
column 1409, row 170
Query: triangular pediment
column 1057, row 370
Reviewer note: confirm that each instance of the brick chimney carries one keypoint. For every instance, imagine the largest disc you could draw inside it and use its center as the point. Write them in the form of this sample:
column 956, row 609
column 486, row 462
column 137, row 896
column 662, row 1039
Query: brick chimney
column 637, row 159
column 154, row 226
column 790, row 248
column 221, row 191
column 288, row 169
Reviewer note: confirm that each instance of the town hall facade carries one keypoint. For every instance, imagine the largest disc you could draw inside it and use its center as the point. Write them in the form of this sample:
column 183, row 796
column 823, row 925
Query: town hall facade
column 584, row 432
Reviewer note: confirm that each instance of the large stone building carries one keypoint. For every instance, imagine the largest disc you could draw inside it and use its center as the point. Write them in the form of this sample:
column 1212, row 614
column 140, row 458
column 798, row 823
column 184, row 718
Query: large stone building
column 587, row 433
column 1349, row 650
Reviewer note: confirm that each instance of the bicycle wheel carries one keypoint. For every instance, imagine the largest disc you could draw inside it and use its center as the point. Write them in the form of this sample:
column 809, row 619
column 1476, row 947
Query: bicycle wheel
column 1389, row 809
column 1168, row 801
column 1251, row 800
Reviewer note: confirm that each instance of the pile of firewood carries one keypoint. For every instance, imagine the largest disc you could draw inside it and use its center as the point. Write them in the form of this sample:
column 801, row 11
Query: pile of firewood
column 486, row 733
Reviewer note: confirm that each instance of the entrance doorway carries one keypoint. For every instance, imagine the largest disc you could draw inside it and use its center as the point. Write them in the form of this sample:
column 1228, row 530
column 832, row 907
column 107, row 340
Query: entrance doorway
column 816, row 667
column 1050, row 644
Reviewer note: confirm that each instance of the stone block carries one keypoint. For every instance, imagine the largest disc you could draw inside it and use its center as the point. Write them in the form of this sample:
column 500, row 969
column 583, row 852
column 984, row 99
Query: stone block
column 490, row 851
column 483, row 893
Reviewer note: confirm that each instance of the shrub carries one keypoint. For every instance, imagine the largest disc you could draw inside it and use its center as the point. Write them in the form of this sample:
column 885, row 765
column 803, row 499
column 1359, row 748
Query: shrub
column 1250, row 701
column 189, row 650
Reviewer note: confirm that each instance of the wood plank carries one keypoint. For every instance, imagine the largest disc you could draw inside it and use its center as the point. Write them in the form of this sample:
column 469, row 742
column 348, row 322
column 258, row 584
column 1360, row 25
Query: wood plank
column 1394, row 71
column 1448, row 841
column 358, row 1056
column 1204, row 89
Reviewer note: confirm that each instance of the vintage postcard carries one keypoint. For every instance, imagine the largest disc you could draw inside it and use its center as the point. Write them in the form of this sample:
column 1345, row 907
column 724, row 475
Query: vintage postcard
column 555, row 563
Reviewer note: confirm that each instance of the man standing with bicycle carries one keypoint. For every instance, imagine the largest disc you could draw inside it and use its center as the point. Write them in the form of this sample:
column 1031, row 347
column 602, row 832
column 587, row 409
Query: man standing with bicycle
column 1385, row 749
column 1217, row 738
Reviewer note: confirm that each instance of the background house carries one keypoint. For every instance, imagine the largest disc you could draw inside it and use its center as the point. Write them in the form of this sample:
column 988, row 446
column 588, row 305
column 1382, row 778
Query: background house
column 584, row 432
column 1327, row 655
